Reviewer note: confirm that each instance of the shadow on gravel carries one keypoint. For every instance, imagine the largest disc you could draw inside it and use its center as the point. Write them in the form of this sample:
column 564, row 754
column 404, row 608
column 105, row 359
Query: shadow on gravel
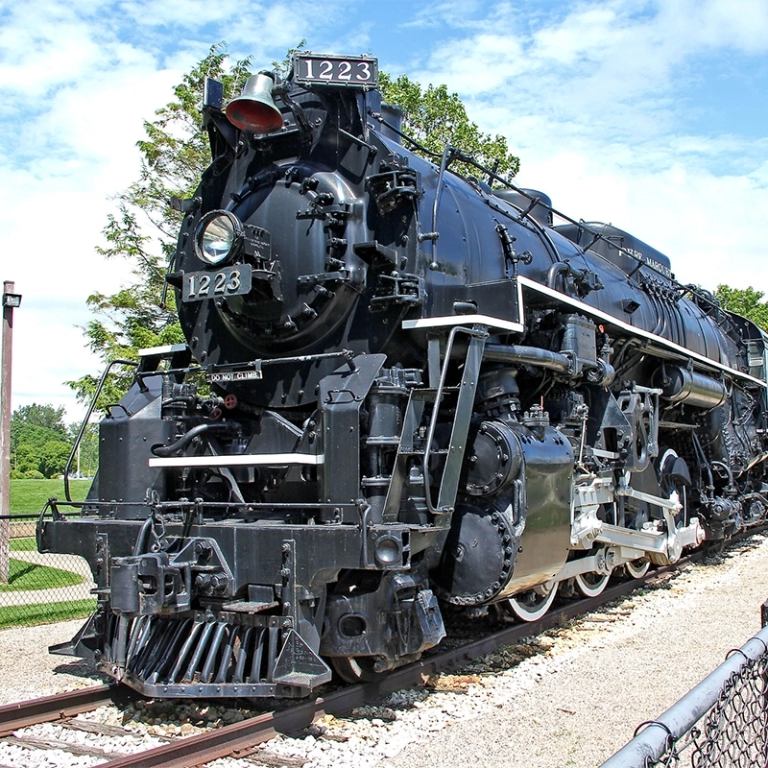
column 79, row 668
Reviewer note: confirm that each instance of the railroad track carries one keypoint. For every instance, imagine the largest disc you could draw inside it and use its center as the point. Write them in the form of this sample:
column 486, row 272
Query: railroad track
column 240, row 739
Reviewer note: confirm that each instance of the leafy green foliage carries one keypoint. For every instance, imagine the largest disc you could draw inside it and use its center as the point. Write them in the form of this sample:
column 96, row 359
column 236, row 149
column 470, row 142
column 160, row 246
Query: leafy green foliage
column 746, row 302
column 436, row 118
column 41, row 416
column 40, row 443
column 87, row 459
column 145, row 227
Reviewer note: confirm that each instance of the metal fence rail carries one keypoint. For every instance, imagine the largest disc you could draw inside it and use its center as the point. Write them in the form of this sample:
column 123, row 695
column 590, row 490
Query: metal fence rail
column 722, row 722
column 42, row 587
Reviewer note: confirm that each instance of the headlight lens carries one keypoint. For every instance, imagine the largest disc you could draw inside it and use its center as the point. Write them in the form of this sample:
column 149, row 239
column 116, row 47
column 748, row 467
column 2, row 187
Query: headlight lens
column 218, row 236
column 388, row 550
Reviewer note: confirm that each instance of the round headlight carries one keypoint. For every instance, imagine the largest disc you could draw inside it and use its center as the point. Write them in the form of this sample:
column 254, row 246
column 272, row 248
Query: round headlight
column 219, row 233
column 389, row 550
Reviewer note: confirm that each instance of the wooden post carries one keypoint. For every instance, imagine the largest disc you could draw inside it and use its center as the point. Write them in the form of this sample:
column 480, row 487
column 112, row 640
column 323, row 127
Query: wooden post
column 10, row 301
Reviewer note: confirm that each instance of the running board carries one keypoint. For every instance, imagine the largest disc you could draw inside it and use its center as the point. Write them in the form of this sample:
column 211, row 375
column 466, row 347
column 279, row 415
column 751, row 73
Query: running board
column 239, row 460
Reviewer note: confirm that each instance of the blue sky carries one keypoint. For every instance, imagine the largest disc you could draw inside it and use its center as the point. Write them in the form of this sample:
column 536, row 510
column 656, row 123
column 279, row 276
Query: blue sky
column 650, row 115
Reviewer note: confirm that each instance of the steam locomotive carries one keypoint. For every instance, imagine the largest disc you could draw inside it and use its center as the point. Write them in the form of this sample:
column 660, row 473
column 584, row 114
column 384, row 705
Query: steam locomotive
column 404, row 392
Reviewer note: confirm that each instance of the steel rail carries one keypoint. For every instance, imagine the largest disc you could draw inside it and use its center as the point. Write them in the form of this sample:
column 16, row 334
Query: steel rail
column 23, row 713
column 204, row 747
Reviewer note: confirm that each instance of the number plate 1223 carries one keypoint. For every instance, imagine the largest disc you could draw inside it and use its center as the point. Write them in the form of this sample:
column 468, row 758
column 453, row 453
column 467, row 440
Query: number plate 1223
column 336, row 70
column 228, row 281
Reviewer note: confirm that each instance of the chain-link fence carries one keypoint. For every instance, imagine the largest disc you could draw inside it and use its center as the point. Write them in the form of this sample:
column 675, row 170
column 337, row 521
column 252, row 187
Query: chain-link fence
column 721, row 723
column 42, row 588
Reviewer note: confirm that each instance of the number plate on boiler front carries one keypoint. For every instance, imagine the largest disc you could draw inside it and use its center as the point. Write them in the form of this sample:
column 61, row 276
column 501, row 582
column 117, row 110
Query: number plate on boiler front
column 227, row 281
column 352, row 71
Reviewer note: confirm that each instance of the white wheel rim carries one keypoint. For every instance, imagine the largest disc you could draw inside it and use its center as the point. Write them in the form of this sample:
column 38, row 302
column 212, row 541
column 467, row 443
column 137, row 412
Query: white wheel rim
column 525, row 612
column 588, row 587
column 637, row 568
column 351, row 670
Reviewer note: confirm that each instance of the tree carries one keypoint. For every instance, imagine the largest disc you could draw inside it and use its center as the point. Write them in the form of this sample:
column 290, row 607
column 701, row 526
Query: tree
column 39, row 416
column 40, row 442
column 436, row 118
column 746, row 302
column 144, row 230
column 53, row 457
column 87, row 459
column 174, row 154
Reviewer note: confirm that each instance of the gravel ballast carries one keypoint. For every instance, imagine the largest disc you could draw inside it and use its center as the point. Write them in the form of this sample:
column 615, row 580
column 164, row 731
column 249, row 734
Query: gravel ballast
column 28, row 671
column 572, row 697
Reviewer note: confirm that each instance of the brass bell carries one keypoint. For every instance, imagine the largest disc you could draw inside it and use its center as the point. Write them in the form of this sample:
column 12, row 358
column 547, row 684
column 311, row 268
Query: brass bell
column 254, row 109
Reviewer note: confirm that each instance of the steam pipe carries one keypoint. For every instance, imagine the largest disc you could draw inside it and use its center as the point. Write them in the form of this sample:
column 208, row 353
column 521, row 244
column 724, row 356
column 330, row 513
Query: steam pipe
column 516, row 353
column 188, row 437
column 554, row 272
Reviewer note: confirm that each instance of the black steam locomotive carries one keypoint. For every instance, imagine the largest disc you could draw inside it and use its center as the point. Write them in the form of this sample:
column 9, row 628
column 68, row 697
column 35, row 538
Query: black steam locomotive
column 404, row 392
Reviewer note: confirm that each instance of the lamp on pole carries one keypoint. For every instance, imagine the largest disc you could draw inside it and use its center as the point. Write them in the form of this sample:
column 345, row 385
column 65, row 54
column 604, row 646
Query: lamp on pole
column 10, row 301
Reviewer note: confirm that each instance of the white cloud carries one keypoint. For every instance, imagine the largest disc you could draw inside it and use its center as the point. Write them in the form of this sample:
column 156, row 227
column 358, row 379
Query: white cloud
column 741, row 24
column 41, row 44
column 78, row 80
column 41, row 379
column 593, row 95
column 613, row 68
column 189, row 14
column 588, row 95
column 78, row 97
column 429, row 14
column 711, row 227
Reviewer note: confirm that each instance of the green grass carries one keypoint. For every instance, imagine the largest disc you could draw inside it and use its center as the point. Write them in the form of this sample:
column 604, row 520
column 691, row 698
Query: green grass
column 30, row 576
column 45, row 613
column 27, row 544
column 28, row 497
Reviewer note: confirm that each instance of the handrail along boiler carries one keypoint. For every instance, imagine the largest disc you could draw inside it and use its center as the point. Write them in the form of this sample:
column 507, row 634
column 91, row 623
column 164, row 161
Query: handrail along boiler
column 422, row 396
